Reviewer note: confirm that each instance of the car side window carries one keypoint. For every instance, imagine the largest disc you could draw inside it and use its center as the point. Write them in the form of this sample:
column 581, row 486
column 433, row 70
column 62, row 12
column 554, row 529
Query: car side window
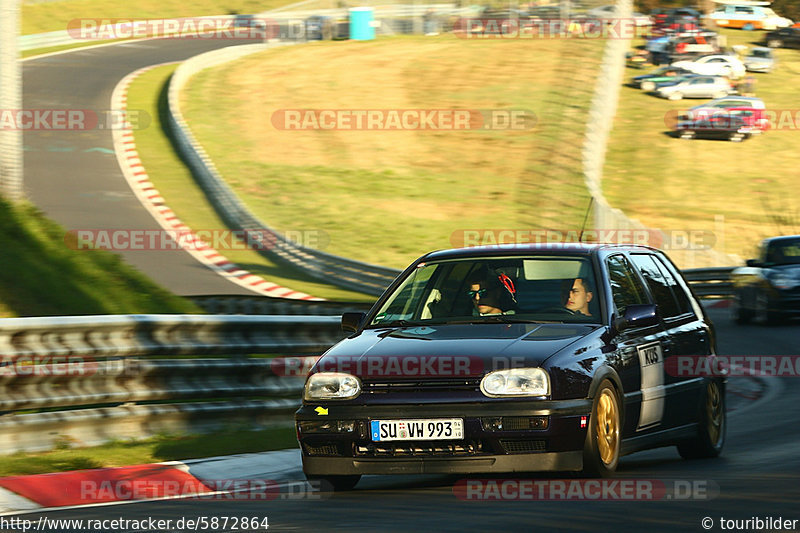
column 626, row 288
column 678, row 290
column 659, row 286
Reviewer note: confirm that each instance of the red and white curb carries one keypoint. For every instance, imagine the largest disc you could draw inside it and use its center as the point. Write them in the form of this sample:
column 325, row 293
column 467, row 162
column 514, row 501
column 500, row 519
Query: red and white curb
column 150, row 198
column 260, row 474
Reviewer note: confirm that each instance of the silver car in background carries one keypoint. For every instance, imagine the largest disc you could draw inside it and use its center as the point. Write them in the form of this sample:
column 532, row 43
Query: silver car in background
column 760, row 59
column 697, row 87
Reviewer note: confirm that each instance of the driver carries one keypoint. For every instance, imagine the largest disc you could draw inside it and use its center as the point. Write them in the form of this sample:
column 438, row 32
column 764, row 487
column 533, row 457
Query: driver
column 578, row 295
column 492, row 295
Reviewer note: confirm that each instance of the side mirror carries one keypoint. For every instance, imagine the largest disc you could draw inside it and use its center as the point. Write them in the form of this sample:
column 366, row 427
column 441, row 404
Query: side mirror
column 753, row 263
column 351, row 321
column 637, row 316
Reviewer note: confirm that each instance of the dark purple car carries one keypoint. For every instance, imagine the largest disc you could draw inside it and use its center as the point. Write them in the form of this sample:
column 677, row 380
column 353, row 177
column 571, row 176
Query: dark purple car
column 514, row 358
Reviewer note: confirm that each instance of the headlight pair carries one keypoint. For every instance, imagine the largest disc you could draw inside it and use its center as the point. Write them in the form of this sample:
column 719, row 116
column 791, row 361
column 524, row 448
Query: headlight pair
column 500, row 383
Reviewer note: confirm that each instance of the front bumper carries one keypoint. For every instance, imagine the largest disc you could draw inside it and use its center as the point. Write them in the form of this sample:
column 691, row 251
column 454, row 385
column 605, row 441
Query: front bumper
column 556, row 444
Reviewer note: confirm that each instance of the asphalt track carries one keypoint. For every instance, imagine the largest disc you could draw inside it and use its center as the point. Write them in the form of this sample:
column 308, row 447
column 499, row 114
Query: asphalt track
column 73, row 176
column 757, row 476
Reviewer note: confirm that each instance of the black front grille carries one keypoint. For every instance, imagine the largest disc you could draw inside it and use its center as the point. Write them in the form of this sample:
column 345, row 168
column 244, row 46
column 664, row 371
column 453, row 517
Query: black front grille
column 418, row 449
column 427, row 385
column 523, row 446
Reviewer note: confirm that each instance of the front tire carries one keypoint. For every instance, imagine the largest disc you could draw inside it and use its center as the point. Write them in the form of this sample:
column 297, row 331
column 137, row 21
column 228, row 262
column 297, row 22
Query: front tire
column 676, row 96
column 602, row 446
column 739, row 314
column 648, row 86
column 775, row 43
column 713, row 422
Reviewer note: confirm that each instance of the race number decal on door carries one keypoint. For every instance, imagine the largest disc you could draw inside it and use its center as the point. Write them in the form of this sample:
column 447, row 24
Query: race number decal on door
column 651, row 361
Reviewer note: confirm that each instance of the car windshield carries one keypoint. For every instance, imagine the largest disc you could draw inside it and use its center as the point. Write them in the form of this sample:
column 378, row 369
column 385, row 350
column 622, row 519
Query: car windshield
column 784, row 252
column 494, row 289
column 760, row 53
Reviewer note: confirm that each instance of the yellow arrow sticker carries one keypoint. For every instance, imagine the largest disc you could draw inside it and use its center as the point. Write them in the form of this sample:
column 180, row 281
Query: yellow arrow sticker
column 321, row 411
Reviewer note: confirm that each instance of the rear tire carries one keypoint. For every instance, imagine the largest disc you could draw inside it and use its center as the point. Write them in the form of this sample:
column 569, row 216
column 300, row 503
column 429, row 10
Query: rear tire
column 748, row 27
column 687, row 134
column 712, row 419
column 736, row 137
column 648, row 86
column 603, row 437
column 336, row 483
column 676, row 96
column 774, row 43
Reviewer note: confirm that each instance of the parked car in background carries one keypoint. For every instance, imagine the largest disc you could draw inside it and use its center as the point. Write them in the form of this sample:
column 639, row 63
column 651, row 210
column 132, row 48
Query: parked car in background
column 647, row 82
column 748, row 17
column 697, row 87
column 675, row 21
column 610, row 12
column 671, row 48
column 517, row 358
column 783, row 38
column 325, row 28
column 714, row 65
column 760, row 59
column 735, row 124
column 768, row 288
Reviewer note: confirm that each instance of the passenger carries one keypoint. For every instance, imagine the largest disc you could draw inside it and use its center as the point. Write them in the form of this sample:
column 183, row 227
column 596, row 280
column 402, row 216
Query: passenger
column 578, row 294
column 492, row 295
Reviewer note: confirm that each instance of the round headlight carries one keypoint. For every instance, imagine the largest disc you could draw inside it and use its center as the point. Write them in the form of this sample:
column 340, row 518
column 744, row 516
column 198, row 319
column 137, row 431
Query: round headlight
column 516, row 382
column 332, row 386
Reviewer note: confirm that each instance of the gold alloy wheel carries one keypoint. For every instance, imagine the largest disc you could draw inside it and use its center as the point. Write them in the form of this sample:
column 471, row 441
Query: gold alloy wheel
column 607, row 427
column 714, row 412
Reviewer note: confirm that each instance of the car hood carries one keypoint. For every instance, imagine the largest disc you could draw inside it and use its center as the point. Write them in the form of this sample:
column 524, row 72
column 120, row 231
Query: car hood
column 473, row 348
column 790, row 271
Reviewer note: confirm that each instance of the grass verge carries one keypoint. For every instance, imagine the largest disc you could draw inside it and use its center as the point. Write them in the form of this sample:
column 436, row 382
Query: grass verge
column 387, row 196
column 181, row 193
column 42, row 276
column 678, row 184
column 153, row 450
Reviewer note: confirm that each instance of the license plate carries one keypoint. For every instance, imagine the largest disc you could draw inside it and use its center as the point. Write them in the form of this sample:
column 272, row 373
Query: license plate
column 420, row 429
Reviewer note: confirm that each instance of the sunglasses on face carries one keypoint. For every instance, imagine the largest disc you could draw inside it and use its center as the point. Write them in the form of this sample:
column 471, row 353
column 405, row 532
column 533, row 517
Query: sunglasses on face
column 479, row 292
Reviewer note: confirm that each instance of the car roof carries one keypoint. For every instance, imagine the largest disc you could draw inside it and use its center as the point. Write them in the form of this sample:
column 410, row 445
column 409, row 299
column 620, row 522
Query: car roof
column 558, row 248
column 780, row 238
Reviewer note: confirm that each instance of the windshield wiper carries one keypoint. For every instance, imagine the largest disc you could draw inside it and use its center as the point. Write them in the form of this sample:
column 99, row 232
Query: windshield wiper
column 496, row 319
column 396, row 324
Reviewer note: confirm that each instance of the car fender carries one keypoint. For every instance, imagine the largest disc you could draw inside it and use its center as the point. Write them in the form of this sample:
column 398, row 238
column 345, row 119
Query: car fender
column 603, row 373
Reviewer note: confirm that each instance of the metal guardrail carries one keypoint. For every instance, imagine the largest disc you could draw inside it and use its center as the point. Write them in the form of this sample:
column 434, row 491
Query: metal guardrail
column 710, row 283
column 98, row 378
column 261, row 305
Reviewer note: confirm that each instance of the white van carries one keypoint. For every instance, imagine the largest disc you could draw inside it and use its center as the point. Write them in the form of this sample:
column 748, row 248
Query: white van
column 748, row 16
